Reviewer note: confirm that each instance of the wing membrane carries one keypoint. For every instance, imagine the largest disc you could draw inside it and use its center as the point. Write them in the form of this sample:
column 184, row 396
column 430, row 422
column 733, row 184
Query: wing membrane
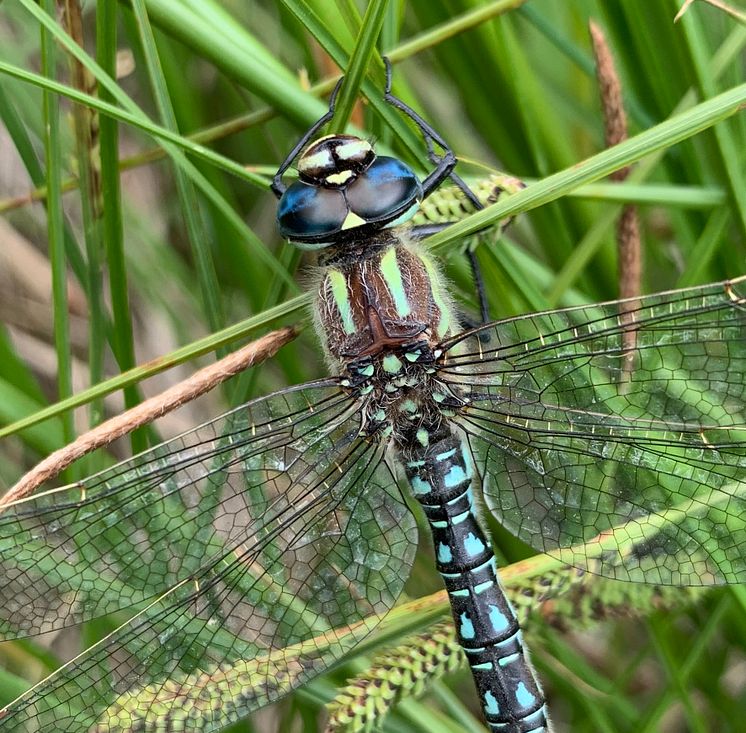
column 628, row 413
column 133, row 530
column 291, row 526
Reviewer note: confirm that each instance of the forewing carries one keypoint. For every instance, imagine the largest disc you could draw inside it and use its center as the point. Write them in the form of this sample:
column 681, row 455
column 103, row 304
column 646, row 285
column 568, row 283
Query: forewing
column 264, row 533
column 622, row 425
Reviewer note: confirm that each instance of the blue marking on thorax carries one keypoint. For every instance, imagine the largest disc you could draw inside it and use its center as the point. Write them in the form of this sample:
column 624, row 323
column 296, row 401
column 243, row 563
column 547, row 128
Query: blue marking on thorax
column 467, row 627
column 505, row 661
column 481, row 587
column 490, row 704
column 445, row 456
column 498, row 620
column 461, row 518
column 473, row 545
column 524, row 697
column 454, row 477
column 444, row 553
column 419, row 486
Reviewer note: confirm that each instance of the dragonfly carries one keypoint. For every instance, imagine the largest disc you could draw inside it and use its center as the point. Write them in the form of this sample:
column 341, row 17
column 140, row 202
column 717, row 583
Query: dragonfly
column 251, row 553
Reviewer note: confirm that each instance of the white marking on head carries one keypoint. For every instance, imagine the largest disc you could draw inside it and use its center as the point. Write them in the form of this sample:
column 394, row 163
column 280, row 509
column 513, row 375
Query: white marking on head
column 351, row 221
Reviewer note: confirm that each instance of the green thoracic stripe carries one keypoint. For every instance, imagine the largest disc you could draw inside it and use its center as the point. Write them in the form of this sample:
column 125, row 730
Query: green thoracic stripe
column 392, row 275
column 445, row 315
column 338, row 283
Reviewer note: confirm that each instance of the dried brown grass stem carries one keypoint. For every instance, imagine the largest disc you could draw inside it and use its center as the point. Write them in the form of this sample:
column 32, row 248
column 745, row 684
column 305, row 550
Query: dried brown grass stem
column 146, row 412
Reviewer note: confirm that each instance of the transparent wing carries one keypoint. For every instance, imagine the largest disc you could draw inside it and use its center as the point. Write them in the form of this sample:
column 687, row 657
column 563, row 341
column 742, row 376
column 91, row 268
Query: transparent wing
column 628, row 414
column 259, row 536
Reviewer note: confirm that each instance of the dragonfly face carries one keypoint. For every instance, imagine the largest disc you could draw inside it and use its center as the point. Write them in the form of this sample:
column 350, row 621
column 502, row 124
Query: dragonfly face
column 345, row 191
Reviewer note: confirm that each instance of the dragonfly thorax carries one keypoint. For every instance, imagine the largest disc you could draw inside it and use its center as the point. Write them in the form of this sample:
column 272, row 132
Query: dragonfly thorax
column 401, row 394
column 388, row 294
column 345, row 192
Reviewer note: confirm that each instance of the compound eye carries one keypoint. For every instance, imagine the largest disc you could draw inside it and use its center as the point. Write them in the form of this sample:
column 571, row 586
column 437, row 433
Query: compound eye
column 386, row 189
column 310, row 212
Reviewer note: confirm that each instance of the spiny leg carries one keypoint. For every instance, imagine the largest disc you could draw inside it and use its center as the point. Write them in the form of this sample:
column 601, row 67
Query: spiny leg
column 277, row 186
column 444, row 165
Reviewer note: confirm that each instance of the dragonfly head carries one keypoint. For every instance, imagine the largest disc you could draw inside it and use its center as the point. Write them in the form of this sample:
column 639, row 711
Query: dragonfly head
column 345, row 191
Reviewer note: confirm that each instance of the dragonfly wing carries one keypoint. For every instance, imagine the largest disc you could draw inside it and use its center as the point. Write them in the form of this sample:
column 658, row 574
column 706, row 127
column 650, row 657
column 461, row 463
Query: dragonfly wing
column 615, row 435
column 130, row 532
column 292, row 540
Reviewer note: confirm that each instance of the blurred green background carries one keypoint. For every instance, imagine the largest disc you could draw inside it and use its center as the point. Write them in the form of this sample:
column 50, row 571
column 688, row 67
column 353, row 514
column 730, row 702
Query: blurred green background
column 117, row 247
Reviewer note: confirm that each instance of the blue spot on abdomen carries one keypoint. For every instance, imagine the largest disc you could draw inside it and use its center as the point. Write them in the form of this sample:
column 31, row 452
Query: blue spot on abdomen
column 473, row 545
column 498, row 620
column 444, row 553
column 467, row 627
column 523, row 696
column 419, row 486
column 490, row 704
column 454, row 477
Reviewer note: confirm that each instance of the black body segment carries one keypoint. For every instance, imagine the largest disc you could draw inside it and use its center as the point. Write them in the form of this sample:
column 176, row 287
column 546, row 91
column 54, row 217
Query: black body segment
column 441, row 476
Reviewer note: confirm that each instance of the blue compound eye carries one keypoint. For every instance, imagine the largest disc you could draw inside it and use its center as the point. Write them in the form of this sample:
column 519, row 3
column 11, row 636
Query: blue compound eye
column 314, row 215
column 384, row 191
column 311, row 212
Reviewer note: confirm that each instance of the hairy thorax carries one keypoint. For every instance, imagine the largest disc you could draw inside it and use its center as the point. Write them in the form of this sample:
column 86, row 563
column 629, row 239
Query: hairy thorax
column 383, row 311
column 376, row 295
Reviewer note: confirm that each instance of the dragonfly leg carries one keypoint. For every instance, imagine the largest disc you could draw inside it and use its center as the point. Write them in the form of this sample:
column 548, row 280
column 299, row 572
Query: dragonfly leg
column 445, row 164
column 277, row 186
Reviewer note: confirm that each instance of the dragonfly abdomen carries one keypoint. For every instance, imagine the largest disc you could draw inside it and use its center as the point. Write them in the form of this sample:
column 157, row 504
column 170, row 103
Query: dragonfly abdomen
column 440, row 475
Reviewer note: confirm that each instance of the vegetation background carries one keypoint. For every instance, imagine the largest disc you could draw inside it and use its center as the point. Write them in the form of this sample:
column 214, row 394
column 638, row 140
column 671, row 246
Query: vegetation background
column 120, row 242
